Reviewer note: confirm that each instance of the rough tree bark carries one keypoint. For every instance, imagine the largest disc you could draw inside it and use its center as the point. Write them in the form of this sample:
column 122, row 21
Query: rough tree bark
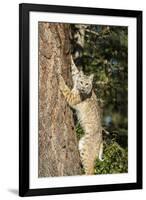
column 58, row 148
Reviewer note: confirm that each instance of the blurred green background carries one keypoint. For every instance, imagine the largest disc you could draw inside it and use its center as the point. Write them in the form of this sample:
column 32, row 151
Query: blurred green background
column 103, row 51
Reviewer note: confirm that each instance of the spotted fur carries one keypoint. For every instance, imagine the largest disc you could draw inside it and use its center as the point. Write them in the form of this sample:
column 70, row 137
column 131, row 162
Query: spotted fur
column 83, row 99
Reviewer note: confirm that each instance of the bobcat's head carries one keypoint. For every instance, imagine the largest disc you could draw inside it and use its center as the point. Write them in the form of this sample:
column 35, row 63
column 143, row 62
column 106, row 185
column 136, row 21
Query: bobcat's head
column 84, row 83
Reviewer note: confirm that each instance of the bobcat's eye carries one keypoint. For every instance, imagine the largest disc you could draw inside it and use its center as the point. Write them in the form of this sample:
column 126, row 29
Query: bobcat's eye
column 81, row 82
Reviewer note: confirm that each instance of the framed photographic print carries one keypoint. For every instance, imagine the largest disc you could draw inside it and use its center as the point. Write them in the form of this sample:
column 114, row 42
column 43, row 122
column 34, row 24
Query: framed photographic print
column 80, row 99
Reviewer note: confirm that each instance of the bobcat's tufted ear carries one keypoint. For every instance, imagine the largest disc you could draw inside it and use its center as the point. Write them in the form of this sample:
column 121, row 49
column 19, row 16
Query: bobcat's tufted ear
column 81, row 73
column 91, row 77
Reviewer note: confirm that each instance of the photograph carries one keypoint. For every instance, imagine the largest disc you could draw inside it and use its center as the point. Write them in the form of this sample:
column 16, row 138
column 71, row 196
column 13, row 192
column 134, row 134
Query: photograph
column 83, row 99
column 80, row 103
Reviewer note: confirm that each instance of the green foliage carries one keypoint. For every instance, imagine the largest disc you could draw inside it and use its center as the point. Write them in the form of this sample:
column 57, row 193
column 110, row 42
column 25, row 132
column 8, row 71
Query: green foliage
column 79, row 131
column 115, row 160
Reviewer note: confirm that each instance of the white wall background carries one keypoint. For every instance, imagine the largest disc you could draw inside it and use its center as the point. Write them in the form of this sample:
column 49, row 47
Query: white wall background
column 9, row 97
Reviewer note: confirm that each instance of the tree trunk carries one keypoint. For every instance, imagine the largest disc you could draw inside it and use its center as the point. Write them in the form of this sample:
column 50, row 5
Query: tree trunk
column 58, row 148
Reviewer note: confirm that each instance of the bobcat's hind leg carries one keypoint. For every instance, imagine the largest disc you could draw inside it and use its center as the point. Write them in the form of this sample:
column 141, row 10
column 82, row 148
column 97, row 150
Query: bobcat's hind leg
column 87, row 155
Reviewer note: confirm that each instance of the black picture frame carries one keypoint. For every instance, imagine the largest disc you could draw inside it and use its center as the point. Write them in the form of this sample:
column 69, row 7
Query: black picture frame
column 24, row 120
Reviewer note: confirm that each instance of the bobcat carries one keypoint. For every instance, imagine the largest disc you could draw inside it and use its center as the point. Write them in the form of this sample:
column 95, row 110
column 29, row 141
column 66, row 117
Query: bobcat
column 84, row 101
